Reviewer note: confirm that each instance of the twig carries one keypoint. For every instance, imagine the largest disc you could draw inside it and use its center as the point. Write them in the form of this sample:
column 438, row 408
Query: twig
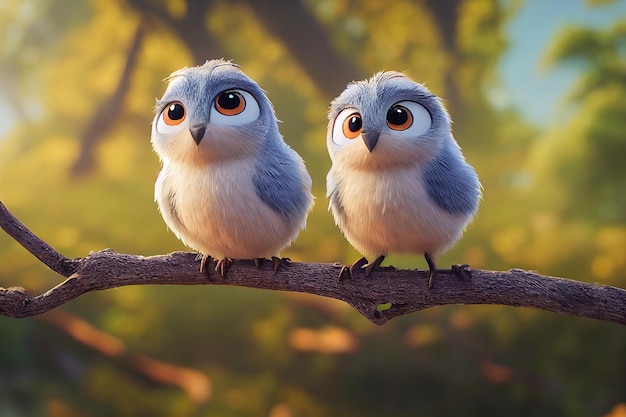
column 387, row 294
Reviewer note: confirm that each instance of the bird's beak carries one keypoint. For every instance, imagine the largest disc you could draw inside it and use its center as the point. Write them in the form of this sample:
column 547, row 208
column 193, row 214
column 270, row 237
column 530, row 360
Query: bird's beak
column 197, row 133
column 370, row 137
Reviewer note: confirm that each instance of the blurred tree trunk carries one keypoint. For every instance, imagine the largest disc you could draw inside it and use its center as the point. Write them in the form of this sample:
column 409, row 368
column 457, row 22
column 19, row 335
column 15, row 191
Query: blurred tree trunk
column 308, row 43
column 105, row 115
column 306, row 39
column 446, row 16
column 190, row 27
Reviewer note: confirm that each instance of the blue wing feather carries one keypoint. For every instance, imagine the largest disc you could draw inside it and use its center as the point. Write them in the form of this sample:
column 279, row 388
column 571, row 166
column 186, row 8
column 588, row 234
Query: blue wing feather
column 452, row 183
column 280, row 182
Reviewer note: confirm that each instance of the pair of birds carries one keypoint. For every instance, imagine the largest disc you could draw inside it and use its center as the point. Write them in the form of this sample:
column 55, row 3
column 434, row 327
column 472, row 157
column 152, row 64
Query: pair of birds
column 231, row 188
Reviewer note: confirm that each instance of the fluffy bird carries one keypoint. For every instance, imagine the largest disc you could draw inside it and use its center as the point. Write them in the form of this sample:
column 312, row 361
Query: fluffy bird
column 229, row 187
column 398, row 182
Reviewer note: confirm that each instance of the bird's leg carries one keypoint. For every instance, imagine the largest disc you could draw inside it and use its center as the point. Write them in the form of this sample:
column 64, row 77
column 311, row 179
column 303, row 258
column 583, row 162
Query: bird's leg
column 223, row 265
column 431, row 268
column 258, row 261
column 280, row 262
column 370, row 267
column 350, row 268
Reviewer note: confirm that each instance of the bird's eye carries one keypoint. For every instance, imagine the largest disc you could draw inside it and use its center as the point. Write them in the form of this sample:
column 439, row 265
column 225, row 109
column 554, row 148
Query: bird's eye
column 234, row 108
column 230, row 103
column 174, row 113
column 172, row 118
column 408, row 119
column 348, row 125
column 399, row 118
column 352, row 126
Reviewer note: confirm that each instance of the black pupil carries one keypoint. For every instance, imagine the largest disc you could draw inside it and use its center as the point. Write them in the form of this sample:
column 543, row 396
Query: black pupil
column 397, row 116
column 229, row 101
column 176, row 111
column 355, row 123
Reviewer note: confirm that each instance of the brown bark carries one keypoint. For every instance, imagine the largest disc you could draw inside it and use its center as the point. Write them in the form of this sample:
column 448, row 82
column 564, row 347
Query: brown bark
column 403, row 291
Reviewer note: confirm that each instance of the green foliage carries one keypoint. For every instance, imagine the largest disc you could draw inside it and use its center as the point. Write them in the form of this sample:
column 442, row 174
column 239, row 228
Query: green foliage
column 554, row 201
column 601, row 52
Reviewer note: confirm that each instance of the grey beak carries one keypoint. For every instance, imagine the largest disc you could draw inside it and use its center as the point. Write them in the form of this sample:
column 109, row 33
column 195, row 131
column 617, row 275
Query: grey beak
column 370, row 137
column 197, row 133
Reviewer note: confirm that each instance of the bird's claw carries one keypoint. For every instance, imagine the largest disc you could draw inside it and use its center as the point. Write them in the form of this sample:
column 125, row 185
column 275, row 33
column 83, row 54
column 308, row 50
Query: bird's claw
column 280, row 263
column 223, row 265
column 343, row 269
column 203, row 260
column 462, row 271
column 351, row 268
column 432, row 274
column 370, row 267
column 277, row 262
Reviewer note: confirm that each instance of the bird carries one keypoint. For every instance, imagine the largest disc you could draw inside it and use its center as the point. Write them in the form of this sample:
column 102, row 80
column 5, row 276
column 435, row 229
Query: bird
column 398, row 181
column 229, row 187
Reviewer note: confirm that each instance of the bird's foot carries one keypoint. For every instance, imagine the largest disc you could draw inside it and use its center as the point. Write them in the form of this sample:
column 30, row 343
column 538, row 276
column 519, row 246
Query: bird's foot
column 276, row 262
column 222, row 266
column 350, row 268
column 461, row 271
column 370, row 267
column 203, row 261
column 280, row 263
column 342, row 269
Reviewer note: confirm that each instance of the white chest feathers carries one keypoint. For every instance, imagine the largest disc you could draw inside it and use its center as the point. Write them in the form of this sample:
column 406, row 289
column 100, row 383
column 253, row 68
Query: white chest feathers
column 215, row 210
column 390, row 211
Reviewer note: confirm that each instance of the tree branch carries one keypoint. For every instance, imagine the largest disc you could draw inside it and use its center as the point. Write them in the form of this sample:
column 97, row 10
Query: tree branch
column 42, row 251
column 391, row 293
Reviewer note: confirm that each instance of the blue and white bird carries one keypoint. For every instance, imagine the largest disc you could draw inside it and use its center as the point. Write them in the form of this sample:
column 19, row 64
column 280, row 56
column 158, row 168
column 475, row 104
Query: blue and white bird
column 230, row 187
column 398, row 182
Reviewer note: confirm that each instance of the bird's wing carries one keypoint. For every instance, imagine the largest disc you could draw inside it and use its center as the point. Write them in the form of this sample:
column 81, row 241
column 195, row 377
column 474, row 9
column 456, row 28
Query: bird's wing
column 283, row 184
column 165, row 197
column 451, row 182
column 332, row 193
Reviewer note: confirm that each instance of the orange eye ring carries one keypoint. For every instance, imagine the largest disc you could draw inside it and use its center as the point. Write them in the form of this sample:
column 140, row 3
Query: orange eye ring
column 174, row 113
column 230, row 103
column 352, row 126
column 399, row 118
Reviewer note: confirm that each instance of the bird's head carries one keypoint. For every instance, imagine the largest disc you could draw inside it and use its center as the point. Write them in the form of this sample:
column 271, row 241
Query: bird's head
column 386, row 121
column 212, row 112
